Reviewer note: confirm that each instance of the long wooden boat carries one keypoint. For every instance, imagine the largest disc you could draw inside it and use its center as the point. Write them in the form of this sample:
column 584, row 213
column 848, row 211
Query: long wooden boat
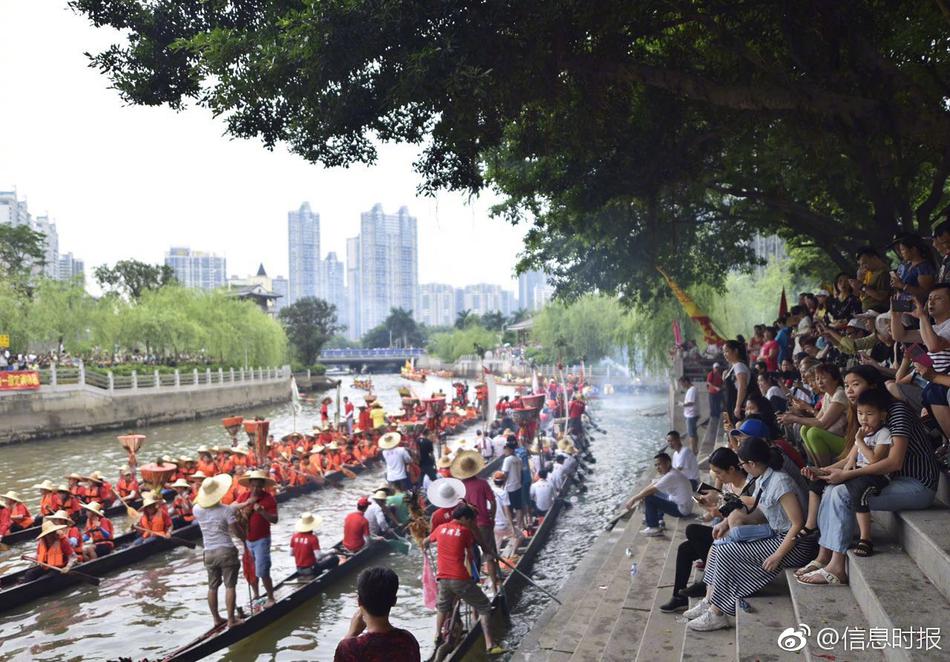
column 472, row 644
column 33, row 531
column 414, row 376
column 14, row 592
column 291, row 593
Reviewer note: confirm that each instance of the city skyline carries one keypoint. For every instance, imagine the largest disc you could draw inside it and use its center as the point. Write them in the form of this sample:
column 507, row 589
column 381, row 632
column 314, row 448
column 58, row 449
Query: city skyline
column 137, row 180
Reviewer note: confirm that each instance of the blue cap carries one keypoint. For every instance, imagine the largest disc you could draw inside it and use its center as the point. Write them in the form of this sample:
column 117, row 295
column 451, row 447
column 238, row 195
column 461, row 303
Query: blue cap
column 753, row 427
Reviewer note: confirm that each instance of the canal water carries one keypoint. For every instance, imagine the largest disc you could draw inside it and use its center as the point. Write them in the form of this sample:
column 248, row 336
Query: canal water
column 152, row 607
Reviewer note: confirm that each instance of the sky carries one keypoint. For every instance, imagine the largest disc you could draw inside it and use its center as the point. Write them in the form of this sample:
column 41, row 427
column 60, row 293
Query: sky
column 129, row 182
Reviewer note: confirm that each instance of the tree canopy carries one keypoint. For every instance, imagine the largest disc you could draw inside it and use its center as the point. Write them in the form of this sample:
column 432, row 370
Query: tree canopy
column 397, row 330
column 132, row 278
column 310, row 323
column 21, row 249
column 630, row 134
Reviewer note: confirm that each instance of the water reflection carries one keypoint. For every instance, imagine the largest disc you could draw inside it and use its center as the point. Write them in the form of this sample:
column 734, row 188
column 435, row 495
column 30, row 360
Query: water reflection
column 156, row 605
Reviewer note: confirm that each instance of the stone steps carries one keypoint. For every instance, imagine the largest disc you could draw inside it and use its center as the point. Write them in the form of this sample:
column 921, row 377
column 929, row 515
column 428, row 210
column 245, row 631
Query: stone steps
column 757, row 632
column 662, row 639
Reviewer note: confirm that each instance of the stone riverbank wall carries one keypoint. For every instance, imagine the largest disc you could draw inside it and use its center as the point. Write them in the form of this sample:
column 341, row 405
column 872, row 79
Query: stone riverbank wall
column 89, row 401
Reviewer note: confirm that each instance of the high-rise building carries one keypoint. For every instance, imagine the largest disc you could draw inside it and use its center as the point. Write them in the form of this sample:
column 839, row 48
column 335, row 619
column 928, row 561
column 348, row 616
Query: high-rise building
column 354, row 329
column 303, row 242
column 43, row 225
column 533, row 290
column 13, row 211
column 279, row 285
column 486, row 298
column 436, row 305
column 388, row 265
column 70, row 268
column 334, row 290
column 197, row 269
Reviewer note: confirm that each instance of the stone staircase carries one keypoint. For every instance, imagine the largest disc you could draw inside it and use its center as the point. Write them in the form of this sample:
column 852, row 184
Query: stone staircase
column 610, row 615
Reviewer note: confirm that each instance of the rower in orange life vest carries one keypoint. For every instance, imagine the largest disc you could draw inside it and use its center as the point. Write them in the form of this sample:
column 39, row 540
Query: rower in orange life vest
column 333, row 458
column 296, row 476
column 98, row 534
column 72, row 533
column 67, row 501
column 17, row 514
column 187, row 467
column 99, row 489
column 181, row 506
column 155, row 521
column 305, row 547
column 365, row 419
column 239, row 457
column 76, row 488
column 128, row 485
column 206, row 463
column 49, row 498
column 224, row 461
column 52, row 549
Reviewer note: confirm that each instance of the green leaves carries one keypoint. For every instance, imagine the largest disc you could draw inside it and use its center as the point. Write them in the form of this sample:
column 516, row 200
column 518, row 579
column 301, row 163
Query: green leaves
column 309, row 322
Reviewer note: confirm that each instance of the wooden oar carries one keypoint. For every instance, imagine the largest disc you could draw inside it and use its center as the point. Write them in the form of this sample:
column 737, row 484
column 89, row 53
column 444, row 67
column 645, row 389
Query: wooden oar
column 168, row 536
column 529, row 580
column 346, row 472
column 89, row 579
column 129, row 510
column 613, row 521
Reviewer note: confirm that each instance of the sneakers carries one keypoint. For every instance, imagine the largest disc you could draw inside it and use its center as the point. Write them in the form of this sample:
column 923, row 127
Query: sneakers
column 652, row 531
column 701, row 608
column 709, row 621
column 694, row 590
column 674, row 605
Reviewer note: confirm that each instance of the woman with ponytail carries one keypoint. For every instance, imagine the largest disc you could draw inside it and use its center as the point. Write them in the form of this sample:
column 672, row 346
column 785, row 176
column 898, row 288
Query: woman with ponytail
column 740, row 569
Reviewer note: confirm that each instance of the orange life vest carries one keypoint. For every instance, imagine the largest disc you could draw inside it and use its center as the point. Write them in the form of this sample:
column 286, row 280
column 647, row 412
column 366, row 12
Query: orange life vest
column 182, row 508
column 95, row 533
column 207, row 468
column 126, row 487
column 225, row 466
column 50, row 503
column 160, row 522
column 74, row 533
column 20, row 511
column 56, row 554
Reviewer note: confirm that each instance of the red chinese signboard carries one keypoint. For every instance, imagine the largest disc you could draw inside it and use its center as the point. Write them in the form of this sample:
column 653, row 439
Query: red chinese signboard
column 19, row 380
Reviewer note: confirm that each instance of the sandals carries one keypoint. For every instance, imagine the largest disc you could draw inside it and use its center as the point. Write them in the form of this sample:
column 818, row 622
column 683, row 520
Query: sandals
column 805, row 532
column 811, row 567
column 864, row 548
column 827, row 579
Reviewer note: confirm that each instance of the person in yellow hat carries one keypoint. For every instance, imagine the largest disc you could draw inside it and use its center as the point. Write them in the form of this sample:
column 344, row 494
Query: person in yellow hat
column 261, row 507
column 52, row 551
column 218, row 525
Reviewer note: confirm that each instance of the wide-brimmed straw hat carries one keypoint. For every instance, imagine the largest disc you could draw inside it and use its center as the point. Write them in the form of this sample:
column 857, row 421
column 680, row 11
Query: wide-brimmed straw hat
column 184, row 460
column 333, row 446
column 150, row 500
column 13, row 496
column 444, row 462
column 212, row 490
column 257, row 474
column 380, row 494
column 126, row 470
column 318, row 449
column 96, row 477
column 203, row 449
column 45, row 485
column 181, row 482
column 74, row 476
column 308, row 522
column 63, row 487
column 467, row 464
column 445, row 492
column 49, row 527
column 238, row 450
column 94, row 507
column 389, row 440
column 456, row 445
column 200, row 475
column 60, row 514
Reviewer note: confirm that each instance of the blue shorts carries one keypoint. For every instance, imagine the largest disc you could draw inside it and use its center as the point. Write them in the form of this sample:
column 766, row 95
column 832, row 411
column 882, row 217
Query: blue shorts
column 691, row 426
column 260, row 550
column 514, row 499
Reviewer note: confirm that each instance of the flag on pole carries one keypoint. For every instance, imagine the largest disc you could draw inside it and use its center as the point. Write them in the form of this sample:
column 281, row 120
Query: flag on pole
column 710, row 335
column 535, row 384
column 295, row 396
column 677, row 333
column 783, row 305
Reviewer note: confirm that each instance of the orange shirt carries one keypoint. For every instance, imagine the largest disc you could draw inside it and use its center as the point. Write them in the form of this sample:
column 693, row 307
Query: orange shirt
column 71, row 505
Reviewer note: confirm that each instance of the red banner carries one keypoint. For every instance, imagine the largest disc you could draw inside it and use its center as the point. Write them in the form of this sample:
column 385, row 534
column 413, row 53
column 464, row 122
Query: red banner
column 19, row 380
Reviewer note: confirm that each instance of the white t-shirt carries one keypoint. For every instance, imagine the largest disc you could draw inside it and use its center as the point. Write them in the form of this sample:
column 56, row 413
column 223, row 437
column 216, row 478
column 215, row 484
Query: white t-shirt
column 485, row 446
column 677, row 489
column 557, row 476
column 685, row 461
column 378, row 524
column 880, row 438
column 512, row 466
column 396, row 461
column 775, row 392
column 690, row 410
column 501, row 499
column 214, row 524
column 498, row 443
column 543, row 493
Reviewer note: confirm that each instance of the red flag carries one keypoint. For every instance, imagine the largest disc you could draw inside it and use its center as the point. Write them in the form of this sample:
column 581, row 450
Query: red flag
column 677, row 333
column 783, row 305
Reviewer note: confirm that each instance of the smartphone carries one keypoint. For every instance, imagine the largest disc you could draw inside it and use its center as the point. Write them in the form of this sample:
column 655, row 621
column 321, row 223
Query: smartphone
column 705, row 487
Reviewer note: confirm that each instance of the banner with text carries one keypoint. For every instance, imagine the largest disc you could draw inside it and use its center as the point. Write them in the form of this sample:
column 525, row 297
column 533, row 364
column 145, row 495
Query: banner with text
column 19, row 380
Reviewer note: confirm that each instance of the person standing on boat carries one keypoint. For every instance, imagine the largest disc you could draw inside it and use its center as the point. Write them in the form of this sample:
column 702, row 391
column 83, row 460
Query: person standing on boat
column 218, row 524
column 574, row 412
column 478, row 494
column 262, row 508
column 426, row 446
column 512, row 466
column 376, row 515
column 348, row 415
column 371, row 637
column 397, row 460
column 455, row 556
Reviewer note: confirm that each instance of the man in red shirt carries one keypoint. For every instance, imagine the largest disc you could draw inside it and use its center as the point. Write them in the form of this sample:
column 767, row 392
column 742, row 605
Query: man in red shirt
column 714, row 387
column 455, row 557
column 262, row 508
column 371, row 637
column 574, row 412
column 348, row 415
column 356, row 527
column 305, row 547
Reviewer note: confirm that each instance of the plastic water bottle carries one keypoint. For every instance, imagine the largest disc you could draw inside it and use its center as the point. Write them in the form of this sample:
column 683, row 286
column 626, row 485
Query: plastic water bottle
column 633, row 570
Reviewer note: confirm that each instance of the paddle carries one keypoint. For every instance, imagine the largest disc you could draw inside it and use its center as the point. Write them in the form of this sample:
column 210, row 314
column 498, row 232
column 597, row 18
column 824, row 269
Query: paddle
column 613, row 521
column 346, row 472
column 530, row 581
column 89, row 579
column 129, row 510
column 168, row 536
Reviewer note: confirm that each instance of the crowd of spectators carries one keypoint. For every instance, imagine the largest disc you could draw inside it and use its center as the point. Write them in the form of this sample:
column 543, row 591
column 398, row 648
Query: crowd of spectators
column 839, row 407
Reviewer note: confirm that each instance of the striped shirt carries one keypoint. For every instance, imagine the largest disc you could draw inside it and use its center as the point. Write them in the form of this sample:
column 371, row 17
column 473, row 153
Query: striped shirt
column 919, row 462
column 941, row 359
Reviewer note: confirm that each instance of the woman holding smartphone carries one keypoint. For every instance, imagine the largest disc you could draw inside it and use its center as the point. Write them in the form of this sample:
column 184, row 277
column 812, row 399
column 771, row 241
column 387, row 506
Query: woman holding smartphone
column 823, row 433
